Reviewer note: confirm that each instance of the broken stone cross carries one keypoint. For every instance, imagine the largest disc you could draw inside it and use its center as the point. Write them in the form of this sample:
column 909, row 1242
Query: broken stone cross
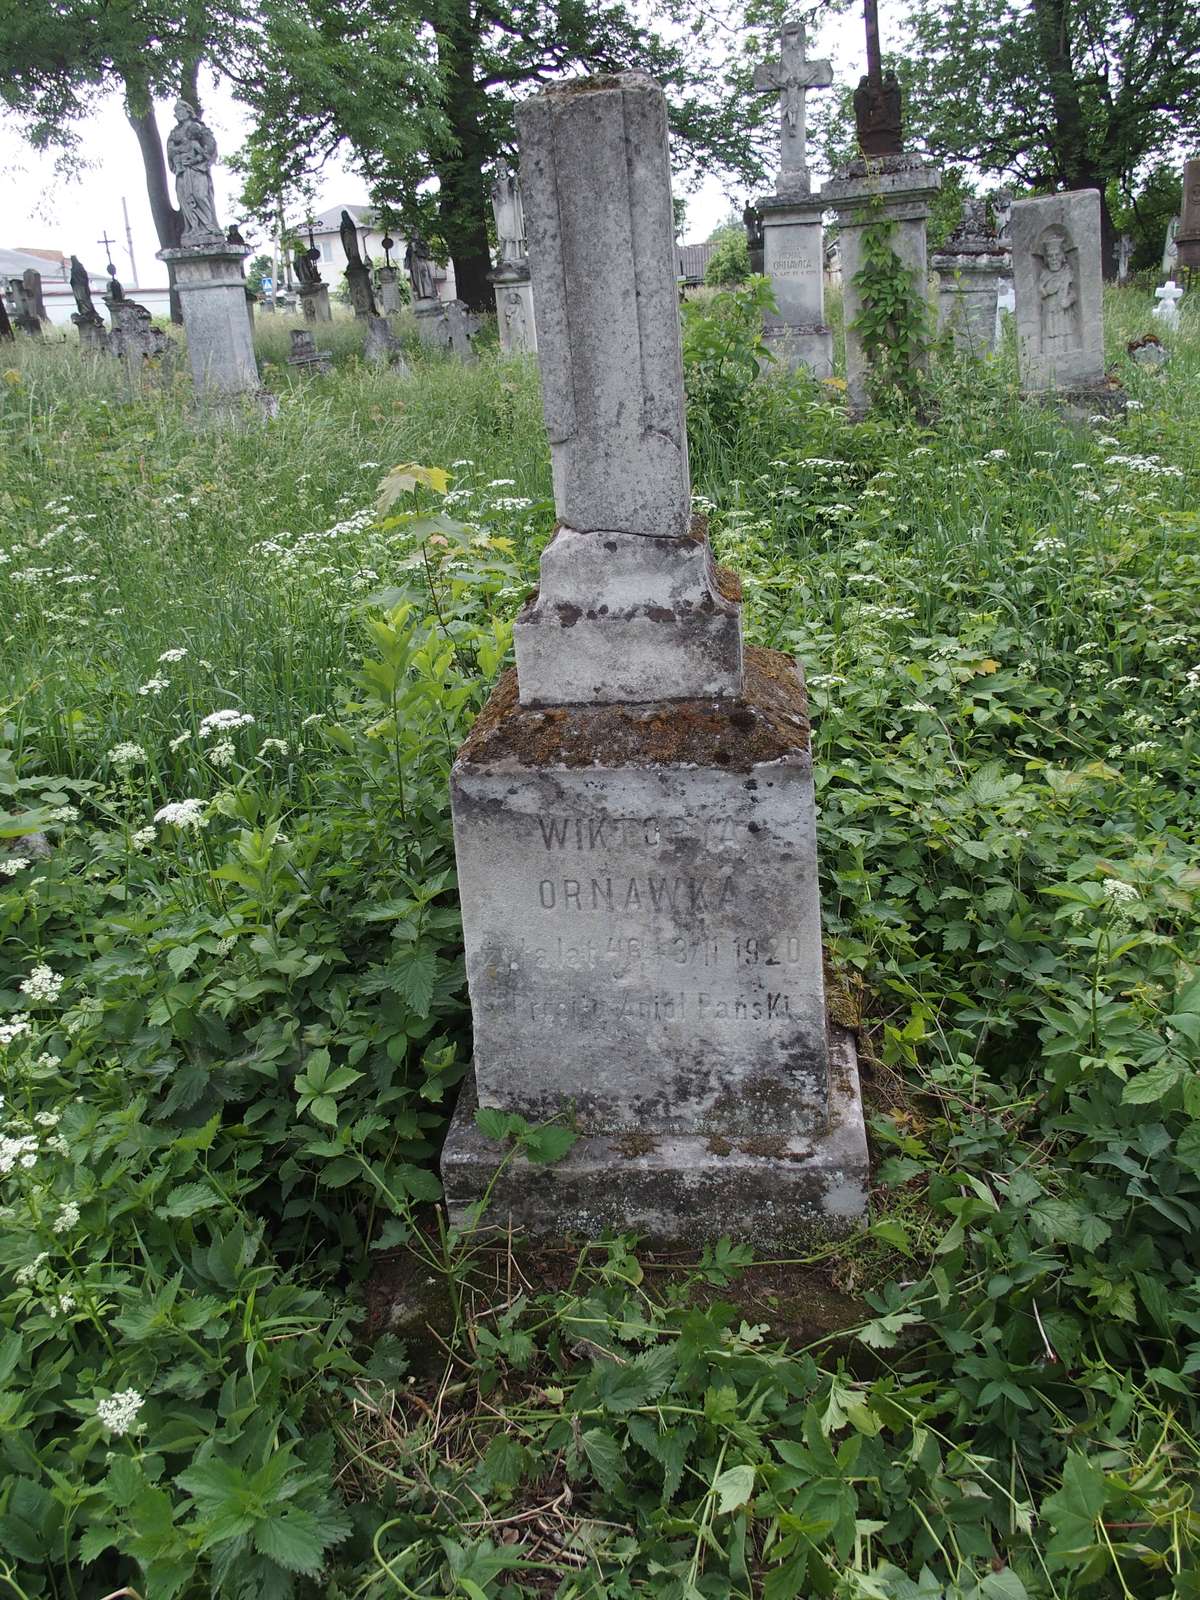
column 633, row 811
column 792, row 75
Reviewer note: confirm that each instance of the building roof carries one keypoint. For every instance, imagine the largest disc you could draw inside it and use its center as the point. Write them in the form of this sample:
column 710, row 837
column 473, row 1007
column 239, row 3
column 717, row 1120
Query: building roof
column 693, row 261
column 330, row 221
column 14, row 262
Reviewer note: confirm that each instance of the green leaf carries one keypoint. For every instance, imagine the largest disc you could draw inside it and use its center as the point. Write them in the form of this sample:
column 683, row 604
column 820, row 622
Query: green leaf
column 546, row 1145
column 733, row 1487
column 622, row 1388
column 605, row 1457
column 414, row 977
column 181, row 958
column 291, row 1537
column 187, row 1200
column 1152, row 1084
column 1072, row 1512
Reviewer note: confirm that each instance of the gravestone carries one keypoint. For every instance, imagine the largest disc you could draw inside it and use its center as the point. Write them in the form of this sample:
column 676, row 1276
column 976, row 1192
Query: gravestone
column 1187, row 240
column 1056, row 274
column 459, row 327
column 971, row 266
column 207, row 270
column 633, row 810
column 1170, row 258
column 390, row 301
column 1167, row 309
column 790, row 219
column 133, row 337
column 510, row 276
column 92, row 332
column 895, row 189
column 426, row 307
column 31, row 278
column 24, row 315
column 381, row 347
column 311, row 289
column 305, row 356
column 358, row 274
column 1122, row 254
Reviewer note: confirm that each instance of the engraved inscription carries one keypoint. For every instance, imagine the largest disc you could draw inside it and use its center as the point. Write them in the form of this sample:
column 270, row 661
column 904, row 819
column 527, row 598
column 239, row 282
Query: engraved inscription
column 792, row 266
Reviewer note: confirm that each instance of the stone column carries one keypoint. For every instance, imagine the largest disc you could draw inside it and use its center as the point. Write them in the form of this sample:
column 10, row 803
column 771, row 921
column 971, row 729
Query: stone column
column 895, row 189
column 1187, row 239
column 514, row 309
column 1059, row 288
column 212, row 296
column 633, row 811
column 794, row 260
column 314, row 302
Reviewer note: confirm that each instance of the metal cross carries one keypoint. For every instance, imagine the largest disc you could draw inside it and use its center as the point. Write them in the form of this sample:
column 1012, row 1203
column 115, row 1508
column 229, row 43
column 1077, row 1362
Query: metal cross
column 108, row 248
column 791, row 76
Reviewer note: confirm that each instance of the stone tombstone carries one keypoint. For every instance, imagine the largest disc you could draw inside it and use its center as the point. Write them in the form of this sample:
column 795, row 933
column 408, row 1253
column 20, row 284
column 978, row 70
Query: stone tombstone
column 1122, row 253
column 971, row 267
column 134, row 339
column 418, row 263
column 510, row 276
column 790, row 219
column 390, row 301
column 358, row 274
column 381, row 347
column 633, row 811
column 305, row 356
column 1170, row 258
column 460, row 326
column 1168, row 297
column 25, row 315
column 1187, row 240
column 32, row 280
column 1056, row 275
column 892, row 188
column 87, row 319
column 314, row 302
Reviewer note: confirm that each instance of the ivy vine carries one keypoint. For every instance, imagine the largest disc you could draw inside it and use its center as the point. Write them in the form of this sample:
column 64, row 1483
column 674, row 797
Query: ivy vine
column 893, row 321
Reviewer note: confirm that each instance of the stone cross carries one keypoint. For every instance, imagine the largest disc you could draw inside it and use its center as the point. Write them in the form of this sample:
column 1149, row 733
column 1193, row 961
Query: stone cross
column 1122, row 251
column 1167, row 309
column 791, row 76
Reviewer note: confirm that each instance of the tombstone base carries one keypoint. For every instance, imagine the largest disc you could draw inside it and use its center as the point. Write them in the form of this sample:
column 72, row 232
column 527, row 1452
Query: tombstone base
column 212, row 294
column 794, row 348
column 1080, row 402
column 771, row 1192
column 429, row 314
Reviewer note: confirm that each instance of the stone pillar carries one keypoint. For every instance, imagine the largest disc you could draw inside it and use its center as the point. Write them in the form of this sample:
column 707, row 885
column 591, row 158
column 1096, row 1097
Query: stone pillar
column 389, row 291
column 314, row 302
column 794, row 260
column 896, row 189
column 24, row 308
column 633, row 811
column 1059, row 288
column 212, row 296
column 514, row 310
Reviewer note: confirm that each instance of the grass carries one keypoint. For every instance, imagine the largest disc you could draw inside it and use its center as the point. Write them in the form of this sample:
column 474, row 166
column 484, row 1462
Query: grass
column 262, row 1016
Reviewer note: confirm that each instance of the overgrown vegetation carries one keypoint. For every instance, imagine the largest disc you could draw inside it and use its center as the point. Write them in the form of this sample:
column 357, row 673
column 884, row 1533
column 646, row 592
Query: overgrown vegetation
column 239, row 1353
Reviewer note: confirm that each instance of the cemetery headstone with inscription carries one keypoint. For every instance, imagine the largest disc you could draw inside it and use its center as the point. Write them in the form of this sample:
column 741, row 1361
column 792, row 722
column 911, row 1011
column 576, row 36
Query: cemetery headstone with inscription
column 790, row 219
column 305, row 356
column 633, row 810
column 1057, row 277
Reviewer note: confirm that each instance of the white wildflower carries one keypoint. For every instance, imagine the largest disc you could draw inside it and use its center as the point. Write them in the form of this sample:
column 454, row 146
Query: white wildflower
column 180, row 738
column 16, row 1028
column 25, row 1275
column 58, row 1145
column 221, row 753
column 17, row 1151
column 42, row 984
column 183, row 814
column 1119, row 893
column 126, row 754
column 510, row 502
column 502, row 483
column 64, row 1305
column 277, row 747
column 64, row 814
column 176, row 653
column 67, row 1218
column 47, row 1119
column 996, row 455
column 144, row 837
column 119, row 1412
column 11, row 865
column 155, row 686
column 224, row 721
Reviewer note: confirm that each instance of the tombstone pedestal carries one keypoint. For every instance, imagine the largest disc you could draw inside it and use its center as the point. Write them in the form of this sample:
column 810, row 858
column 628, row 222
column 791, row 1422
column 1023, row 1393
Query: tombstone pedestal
column 896, row 189
column 1059, row 290
column 514, row 309
column 93, row 335
column 633, row 811
column 1187, row 239
column 314, row 302
column 793, row 259
column 429, row 312
column 212, row 296
column 968, row 292
column 305, row 356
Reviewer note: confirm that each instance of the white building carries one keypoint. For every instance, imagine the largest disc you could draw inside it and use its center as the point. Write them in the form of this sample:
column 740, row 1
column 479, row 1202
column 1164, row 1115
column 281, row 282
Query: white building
column 328, row 239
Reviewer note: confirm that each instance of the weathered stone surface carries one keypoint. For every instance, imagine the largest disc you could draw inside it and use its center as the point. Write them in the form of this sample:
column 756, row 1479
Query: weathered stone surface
column 212, row 295
column 1056, row 274
column 775, row 1191
column 1187, row 239
column 381, row 346
column 314, row 302
column 514, row 311
column 791, row 76
column 971, row 266
column 619, row 617
column 640, row 907
column 891, row 188
column 794, row 260
column 596, row 181
column 389, row 291
column 305, row 356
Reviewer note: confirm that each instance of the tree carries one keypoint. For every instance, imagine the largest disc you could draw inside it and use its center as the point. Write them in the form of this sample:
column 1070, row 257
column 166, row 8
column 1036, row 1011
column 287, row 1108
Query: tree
column 258, row 269
column 61, row 56
column 423, row 89
column 730, row 261
column 1061, row 94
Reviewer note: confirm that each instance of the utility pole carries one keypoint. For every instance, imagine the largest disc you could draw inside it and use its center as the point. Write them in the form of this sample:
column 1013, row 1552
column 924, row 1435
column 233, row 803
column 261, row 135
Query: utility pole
column 133, row 272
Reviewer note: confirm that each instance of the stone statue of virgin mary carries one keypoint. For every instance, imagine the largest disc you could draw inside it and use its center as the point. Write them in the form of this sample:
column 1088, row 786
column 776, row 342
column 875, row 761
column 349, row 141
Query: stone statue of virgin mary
column 191, row 151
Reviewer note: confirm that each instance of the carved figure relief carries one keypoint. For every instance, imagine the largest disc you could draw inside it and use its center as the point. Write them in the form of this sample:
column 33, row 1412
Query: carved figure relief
column 191, row 151
column 1058, row 292
column 515, row 322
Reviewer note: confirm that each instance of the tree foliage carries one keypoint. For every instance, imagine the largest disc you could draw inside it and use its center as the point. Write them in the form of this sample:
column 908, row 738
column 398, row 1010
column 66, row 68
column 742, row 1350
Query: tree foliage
column 1059, row 94
column 730, row 261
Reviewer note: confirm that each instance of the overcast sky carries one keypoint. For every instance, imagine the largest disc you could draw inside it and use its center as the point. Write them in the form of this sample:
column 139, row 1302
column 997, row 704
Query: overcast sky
column 44, row 211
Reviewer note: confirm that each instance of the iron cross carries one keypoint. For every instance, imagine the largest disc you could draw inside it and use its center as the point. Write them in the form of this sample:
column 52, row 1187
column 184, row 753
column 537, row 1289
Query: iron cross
column 108, row 248
column 791, row 76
